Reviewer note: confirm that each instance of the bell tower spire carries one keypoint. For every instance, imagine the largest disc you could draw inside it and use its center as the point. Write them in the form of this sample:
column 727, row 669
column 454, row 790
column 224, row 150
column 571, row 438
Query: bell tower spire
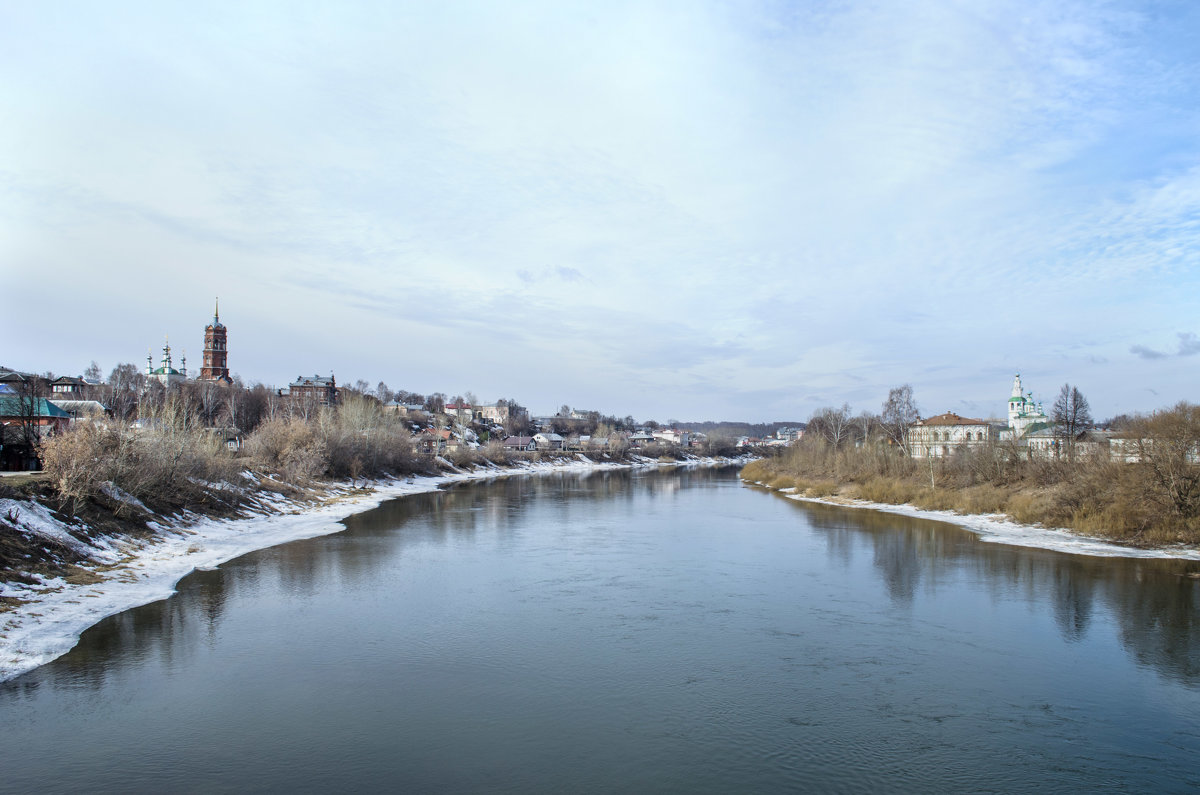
column 215, row 366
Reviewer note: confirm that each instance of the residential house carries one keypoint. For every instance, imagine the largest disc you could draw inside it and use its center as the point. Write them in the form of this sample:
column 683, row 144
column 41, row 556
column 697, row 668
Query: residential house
column 66, row 387
column 673, row 436
column 437, row 441
column 520, row 443
column 23, row 423
column 500, row 413
column 88, row 410
column 461, row 413
column 404, row 409
column 789, row 434
column 548, row 441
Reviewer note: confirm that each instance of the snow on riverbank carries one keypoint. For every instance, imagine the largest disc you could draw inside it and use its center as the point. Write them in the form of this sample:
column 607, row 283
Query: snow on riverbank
column 999, row 529
column 133, row 573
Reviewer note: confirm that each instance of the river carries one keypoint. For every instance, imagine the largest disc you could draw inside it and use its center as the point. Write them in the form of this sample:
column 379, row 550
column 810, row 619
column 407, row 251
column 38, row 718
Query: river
column 629, row 631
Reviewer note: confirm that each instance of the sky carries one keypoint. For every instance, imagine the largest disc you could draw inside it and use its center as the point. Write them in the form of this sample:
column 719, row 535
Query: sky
column 675, row 210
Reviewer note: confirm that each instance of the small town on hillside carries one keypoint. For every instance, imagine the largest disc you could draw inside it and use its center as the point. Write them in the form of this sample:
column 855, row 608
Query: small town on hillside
column 33, row 407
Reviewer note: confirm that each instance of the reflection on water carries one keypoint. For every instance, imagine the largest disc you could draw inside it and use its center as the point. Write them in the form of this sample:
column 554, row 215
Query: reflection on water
column 629, row 630
column 1153, row 601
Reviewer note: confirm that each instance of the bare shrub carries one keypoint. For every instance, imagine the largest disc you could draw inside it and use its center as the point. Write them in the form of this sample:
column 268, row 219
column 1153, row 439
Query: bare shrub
column 497, row 453
column 464, row 456
column 169, row 460
column 290, row 446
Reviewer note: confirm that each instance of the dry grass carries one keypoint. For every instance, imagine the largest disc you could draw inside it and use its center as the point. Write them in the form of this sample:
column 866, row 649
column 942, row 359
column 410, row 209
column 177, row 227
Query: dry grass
column 1118, row 501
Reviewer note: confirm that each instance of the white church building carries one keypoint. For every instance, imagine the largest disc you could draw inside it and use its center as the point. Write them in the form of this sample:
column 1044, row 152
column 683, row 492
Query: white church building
column 941, row 436
column 165, row 373
column 1024, row 414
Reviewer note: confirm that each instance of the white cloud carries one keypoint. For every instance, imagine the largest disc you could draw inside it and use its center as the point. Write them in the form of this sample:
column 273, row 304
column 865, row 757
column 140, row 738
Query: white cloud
column 678, row 205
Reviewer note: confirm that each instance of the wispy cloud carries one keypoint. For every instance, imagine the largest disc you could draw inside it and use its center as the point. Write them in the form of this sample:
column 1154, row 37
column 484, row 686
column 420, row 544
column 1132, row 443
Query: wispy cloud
column 673, row 205
column 1189, row 345
column 1147, row 353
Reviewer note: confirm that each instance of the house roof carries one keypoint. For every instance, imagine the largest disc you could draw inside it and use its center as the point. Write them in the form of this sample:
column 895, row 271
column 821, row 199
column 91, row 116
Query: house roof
column 950, row 418
column 84, row 406
column 316, row 380
column 12, row 406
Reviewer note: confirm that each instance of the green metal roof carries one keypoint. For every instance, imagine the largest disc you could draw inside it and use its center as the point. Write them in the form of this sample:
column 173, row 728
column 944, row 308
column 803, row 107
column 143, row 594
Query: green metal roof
column 14, row 406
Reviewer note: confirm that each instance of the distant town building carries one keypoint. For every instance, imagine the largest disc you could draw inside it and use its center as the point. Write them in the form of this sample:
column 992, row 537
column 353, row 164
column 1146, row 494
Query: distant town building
column 317, row 390
column 216, row 351
column 548, row 441
column 1028, row 426
column 938, row 437
column 1023, row 413
column 66, row 387
column 165, row 373
column 520, row 443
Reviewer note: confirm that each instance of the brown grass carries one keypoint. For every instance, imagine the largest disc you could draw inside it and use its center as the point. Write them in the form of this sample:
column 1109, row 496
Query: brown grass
column 1119, row 501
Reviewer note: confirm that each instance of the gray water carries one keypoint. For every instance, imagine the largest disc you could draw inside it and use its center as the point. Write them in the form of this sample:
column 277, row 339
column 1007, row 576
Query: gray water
column 639, row 632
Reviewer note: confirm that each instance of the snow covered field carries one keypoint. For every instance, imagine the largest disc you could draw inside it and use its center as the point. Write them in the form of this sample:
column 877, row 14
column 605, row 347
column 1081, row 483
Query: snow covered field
column 136, row 573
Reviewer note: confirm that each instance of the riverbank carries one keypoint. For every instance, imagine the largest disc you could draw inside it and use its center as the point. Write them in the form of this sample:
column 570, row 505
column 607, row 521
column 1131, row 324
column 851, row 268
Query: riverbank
column 43, row 618
column 1000, row 529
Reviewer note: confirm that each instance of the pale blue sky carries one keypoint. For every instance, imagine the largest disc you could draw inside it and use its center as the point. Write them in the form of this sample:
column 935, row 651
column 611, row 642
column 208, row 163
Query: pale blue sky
column 691, row 210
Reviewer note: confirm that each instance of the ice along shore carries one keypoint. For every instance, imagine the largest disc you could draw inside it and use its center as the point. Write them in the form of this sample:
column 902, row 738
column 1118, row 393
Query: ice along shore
column 46, row 618
column 999, row 529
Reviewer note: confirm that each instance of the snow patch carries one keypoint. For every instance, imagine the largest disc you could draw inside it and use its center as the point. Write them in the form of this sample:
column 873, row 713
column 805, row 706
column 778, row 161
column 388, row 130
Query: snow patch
column 35, row 518
column 120, row 495
column 999, row 529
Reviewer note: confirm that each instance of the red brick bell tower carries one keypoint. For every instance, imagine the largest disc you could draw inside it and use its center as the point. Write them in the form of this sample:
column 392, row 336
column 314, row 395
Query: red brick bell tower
column 216, row 366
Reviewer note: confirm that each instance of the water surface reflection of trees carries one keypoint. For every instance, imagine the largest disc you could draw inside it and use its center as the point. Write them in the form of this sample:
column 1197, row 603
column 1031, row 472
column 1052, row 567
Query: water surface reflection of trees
column 173, row 630
column 1154, row 602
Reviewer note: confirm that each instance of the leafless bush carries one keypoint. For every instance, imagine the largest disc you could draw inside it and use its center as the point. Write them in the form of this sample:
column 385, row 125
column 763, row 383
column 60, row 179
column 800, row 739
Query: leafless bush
column 290, row 446
column 170, row 460
column 496, row 452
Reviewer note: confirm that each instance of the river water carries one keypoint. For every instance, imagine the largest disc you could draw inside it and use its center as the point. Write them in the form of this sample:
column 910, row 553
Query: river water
column 661, row 631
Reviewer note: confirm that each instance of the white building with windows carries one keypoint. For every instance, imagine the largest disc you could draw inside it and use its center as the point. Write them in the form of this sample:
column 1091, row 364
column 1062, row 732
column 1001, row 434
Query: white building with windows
column 941, row 436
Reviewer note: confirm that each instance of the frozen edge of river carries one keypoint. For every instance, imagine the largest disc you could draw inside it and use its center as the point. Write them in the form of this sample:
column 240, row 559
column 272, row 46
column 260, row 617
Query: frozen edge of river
column 999, row 529
column 57, row 613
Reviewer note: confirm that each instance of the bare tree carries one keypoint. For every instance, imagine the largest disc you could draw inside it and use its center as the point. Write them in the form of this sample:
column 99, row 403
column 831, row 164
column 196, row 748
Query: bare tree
column 1168, row 446
column 93, row 382
column 127, row 383
column 866, row 425
column 1070, row 415
column 518, row 423
column 899, row 414
column 29, row 399
column 832, row 424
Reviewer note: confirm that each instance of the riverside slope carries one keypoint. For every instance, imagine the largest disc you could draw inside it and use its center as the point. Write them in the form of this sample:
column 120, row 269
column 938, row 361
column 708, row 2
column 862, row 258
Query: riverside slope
column 129, row 573
column 999, row 529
